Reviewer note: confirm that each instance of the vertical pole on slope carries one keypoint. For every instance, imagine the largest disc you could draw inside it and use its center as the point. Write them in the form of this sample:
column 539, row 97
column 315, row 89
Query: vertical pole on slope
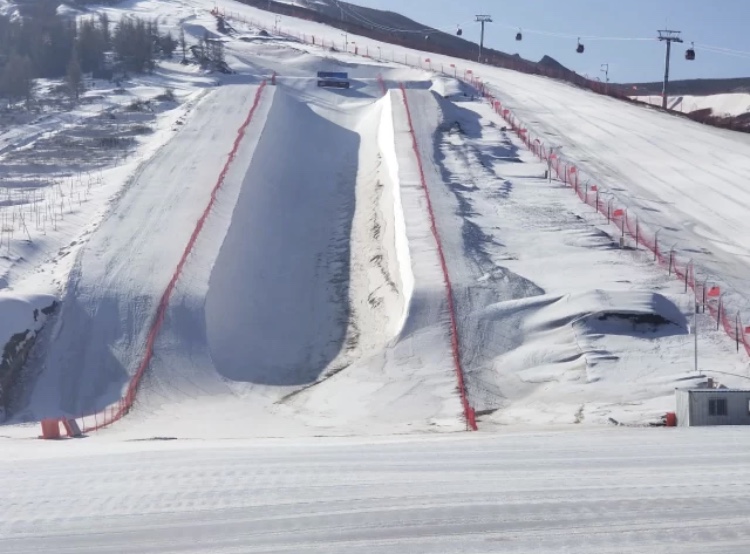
column 549, row 169
column 637, row 232
column 665, row 87
column 695, row 332
column 671, row 260
column 669, row 37
column 737, row 330
column 482, row 19
column 605, row 69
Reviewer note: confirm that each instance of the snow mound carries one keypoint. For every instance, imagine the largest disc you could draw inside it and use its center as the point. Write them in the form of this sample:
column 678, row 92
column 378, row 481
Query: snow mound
column 23, row 316
column 634, row 305
column 22, row 313
column 576, row 348
column 449, row 88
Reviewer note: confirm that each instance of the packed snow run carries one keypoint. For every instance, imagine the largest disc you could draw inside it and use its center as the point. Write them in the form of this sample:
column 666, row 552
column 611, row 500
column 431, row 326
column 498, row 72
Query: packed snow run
column 589, row 491
column 358, row 260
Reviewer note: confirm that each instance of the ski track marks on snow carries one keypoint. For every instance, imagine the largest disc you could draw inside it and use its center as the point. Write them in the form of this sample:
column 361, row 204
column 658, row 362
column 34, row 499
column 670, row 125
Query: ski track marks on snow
column 594, row 491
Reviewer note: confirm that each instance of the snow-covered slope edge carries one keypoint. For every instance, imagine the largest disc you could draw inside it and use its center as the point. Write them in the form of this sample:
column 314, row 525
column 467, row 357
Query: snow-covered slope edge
column 23, row 317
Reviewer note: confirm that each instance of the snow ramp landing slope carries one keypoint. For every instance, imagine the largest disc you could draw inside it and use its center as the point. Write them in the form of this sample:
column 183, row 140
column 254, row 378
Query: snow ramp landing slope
column 119, row 277
column 312, row 302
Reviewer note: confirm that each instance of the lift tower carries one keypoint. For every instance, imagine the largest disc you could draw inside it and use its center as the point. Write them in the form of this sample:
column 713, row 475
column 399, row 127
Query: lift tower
column 669, row 37
column 482, row 19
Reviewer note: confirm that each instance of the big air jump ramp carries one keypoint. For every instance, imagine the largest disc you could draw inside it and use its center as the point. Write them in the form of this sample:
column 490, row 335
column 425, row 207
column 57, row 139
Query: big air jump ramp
column 312, row 301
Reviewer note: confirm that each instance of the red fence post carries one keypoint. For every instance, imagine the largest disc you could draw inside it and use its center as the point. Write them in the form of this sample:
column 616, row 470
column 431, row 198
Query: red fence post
column 637, row 232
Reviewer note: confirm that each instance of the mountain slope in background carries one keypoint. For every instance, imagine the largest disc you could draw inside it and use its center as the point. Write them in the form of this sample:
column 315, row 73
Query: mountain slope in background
column 398, row 29
column 694, row 87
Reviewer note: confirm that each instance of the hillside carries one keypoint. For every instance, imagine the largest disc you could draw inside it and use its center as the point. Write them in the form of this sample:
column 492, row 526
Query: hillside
column 693, row 87
column 395, row 28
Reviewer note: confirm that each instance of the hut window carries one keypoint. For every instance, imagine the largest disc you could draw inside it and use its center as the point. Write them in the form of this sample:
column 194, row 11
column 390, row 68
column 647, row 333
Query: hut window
column 717, row 407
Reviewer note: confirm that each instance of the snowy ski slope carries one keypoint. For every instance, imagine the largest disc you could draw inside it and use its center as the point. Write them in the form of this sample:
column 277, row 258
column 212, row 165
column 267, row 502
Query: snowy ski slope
column 302, row 394
column 313, row 301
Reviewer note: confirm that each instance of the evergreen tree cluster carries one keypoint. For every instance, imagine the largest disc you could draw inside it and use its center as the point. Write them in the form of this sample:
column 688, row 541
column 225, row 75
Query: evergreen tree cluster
column 47, row 45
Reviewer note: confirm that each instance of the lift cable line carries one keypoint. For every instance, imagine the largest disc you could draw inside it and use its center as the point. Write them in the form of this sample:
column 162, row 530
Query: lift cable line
column 668, row 36
column 571, row 36
column 722, row 51
column 360, row 18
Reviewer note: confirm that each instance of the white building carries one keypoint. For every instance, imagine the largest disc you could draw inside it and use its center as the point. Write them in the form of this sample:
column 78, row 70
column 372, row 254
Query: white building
column 712, row 406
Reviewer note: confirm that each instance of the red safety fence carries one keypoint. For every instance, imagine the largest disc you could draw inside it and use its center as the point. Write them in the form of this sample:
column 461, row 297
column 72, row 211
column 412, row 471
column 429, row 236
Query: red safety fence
column 630, row 227
column 469, row 413
column 383, row 86
column 123, row 406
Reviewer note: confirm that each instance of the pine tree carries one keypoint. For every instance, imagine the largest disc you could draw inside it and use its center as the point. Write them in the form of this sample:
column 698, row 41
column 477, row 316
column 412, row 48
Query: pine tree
column 75, row 77
column 183, row 44
column 134, row 45
column 216, row 53
column 17, row 80
column 90, row 46
column 104, row 27
column 168, row 44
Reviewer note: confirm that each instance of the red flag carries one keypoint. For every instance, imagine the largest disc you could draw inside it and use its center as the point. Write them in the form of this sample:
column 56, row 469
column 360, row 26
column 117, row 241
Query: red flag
column 713, row 292
column 747, row 329
column 427, row 60
column 618, row 212
column 573, row 169
column 594, row 188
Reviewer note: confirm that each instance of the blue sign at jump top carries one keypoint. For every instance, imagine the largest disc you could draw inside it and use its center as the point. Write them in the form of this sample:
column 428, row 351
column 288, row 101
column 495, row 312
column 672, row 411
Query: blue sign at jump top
column 332, row 75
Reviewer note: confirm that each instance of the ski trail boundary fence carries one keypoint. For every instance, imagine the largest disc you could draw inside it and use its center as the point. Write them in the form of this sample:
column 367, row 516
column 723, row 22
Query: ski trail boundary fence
column 120, row 409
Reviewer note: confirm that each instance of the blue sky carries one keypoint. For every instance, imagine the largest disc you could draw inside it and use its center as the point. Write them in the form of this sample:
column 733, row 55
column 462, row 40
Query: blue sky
column 713, row 23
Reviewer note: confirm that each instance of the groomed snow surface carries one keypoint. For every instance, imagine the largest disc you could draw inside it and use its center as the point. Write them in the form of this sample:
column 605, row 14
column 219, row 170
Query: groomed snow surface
column 603, row 491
